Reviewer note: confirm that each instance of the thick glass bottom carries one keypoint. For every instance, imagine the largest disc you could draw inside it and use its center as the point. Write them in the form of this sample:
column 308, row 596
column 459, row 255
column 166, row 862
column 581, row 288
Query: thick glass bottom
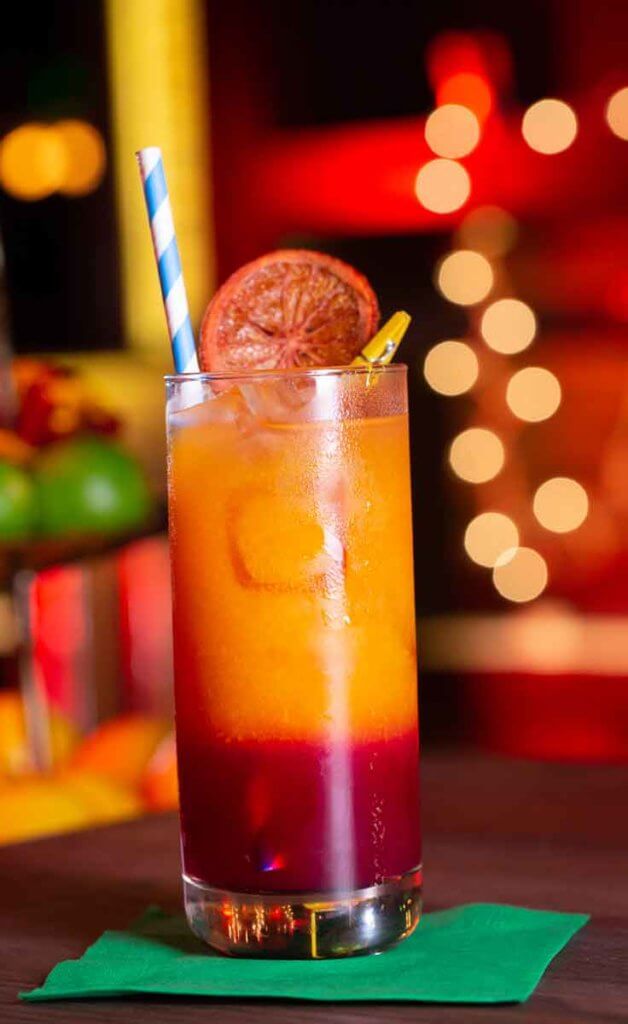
column 304, row 925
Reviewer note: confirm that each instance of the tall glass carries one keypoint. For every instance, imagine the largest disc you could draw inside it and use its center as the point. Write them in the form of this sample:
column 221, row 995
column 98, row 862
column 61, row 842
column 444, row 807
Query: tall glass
column 295, row 659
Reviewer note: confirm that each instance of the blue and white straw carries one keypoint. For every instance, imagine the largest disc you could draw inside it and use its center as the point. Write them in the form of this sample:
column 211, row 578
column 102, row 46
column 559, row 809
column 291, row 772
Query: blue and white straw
column 168, row 260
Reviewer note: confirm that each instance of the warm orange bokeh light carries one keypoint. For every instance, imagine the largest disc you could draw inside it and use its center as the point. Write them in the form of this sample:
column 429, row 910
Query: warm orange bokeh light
column 489, row 230
column 617, row 113
column 508, row 326
column 451, row 368
column 85, row 157
column 468, row 90
column 520, row 575
column 549, row 126
column 533, row 394
column 32, row 161
column 476, row 455
column 39, row 159
column 452, row 131
column 561, row 504
column 464, row 277
column 442, row 186
column 488, row 536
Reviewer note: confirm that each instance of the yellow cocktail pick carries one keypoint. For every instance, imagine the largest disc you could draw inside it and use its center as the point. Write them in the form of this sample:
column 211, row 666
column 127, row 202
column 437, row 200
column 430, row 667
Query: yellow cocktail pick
column 381, row 349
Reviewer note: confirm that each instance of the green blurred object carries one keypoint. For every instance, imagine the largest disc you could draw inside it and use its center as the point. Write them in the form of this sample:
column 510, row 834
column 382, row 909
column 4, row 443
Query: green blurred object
column 18, row 503
column 89, row 485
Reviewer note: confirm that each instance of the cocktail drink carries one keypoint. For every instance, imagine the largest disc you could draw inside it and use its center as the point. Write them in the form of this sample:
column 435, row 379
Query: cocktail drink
column 295, row 660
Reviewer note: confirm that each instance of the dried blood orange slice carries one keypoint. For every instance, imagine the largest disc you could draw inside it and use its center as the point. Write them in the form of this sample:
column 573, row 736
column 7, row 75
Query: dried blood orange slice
column 289, row 308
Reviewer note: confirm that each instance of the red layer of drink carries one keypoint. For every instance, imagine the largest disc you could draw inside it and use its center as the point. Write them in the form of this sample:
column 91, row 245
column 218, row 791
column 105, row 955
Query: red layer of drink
column 295, row 817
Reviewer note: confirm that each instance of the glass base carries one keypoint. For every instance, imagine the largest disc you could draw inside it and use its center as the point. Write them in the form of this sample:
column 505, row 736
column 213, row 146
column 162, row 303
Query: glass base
column 309, row 926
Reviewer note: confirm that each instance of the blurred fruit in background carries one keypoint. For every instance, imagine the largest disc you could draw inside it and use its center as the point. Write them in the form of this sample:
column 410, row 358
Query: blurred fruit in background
column 14, row 754
column 38, row 805
column 42, row 804
column 105, row 801
column 62, row 472
column 13, row 449
column 160, row 783
column 125, row 767
column 121, row 748
column 54, row 403
column 18, row 503
column 15, row 757
column 89, row 485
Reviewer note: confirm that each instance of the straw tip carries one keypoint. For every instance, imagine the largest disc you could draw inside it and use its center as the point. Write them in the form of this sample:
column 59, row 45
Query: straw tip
column 148, row 157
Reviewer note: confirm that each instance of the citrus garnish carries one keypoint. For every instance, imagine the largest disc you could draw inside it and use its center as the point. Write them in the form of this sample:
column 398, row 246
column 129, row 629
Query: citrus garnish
column 290, row 308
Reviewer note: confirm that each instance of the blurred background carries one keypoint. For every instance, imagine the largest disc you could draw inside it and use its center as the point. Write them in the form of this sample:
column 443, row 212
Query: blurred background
column 472, row 160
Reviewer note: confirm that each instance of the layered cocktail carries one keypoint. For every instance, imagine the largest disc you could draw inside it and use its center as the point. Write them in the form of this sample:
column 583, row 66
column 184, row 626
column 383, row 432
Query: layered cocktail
column 294, row 641
column 295, row 659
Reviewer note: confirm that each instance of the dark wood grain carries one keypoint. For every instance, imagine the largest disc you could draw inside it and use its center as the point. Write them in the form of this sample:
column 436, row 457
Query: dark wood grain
column 553, row 836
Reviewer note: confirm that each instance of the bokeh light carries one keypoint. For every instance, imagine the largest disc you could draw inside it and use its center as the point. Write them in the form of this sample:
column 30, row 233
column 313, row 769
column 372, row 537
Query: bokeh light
column 617, row 113
column 85, row 152
column 488, row 536
column 549, row 126
column 533, row 394
column 489, row 230
column 451, row 367
column 452, row 131
column 464, row 277
column 476, row 455
column 33, row 161
column 508, row 326
column 520, row 574
column 39, row 159
column 442, row 186
column 469, row 90
column 561, row 504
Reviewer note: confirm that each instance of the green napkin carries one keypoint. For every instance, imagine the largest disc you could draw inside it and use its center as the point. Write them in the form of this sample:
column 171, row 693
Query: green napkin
column 479, row 953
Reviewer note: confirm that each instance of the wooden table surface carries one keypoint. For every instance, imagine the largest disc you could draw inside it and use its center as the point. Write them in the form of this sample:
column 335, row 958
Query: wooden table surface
column 540, row 835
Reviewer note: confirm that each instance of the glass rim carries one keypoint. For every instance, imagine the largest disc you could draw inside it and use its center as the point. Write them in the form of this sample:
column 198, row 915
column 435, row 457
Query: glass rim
column 284, row 373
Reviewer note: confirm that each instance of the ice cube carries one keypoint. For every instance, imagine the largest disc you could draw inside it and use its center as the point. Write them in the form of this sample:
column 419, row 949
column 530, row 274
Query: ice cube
column 280, row 400
column 277, row 542
column 222, row 406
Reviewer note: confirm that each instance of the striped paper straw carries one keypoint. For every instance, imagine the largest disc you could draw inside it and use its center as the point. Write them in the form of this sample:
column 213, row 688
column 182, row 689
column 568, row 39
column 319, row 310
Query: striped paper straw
column 168, row 260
